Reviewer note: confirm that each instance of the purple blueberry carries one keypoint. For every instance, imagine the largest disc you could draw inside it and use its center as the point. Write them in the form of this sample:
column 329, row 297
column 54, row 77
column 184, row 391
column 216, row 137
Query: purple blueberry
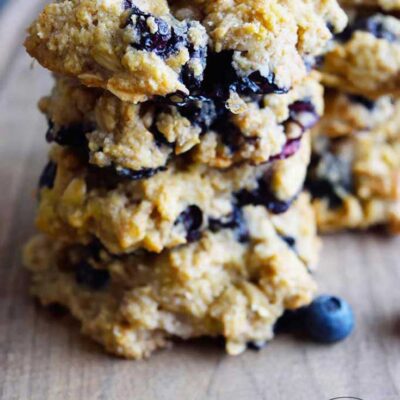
column 303, row 113
column 289, row 149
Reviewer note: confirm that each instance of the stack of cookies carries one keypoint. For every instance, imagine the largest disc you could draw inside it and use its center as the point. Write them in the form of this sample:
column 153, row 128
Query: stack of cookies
column 355, row 173
column 172, row 205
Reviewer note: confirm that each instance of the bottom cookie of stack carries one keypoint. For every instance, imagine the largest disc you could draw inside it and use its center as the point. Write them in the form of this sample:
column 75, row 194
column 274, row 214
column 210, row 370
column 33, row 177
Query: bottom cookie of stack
column 218, row 286
column 355, row 172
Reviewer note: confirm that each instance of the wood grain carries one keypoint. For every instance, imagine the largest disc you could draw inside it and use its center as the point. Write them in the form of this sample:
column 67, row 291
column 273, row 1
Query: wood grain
column 44, row 357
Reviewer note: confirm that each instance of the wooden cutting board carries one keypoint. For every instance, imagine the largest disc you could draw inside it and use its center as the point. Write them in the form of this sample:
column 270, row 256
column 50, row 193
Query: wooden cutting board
column 43, row 356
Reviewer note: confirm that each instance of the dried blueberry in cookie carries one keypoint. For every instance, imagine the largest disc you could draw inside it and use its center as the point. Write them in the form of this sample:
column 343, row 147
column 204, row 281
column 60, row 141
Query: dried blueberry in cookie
column 192, row 221
column 144, row 173
column 234, row 221
column 262, row 196
column 92, row 278
column 48, row 175
column 330, row 174
column 364, row 101
column 377, row 25
column 73, row 135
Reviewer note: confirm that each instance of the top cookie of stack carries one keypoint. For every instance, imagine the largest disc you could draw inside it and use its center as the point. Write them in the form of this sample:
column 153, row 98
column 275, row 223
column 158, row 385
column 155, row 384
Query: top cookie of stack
column 182, row 50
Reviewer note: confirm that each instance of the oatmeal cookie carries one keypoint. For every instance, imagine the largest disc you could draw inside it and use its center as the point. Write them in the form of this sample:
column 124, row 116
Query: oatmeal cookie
column 218, row 286
column 347, row 114
column 387, row 5
column 178, row 49
column 355, row 178
column 79, row 202
column 365, row 58
column 134, row 138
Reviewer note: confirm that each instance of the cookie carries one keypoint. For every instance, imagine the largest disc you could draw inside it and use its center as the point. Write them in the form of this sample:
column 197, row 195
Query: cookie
column 355, row 177
column 145, row 137
column 387, row 5
column 181, row 50
column 347, row 114
column 365, row 59
column 137, row 303
column 79, row 202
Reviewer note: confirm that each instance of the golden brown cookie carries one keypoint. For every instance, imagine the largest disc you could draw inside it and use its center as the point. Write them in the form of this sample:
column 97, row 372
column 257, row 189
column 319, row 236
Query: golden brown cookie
column 80, row 203
column 144, row 137
column 355, row 177
column 175, row 49
column 218, row 286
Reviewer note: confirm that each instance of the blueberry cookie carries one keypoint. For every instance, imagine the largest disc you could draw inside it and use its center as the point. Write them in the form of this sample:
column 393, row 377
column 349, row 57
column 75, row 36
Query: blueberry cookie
column 137, row 303
column 144, row 137
column 180, row 50
column 386, row 5
column 365, row 58
column 79, row 202
column 347, row 114
column 355, row 178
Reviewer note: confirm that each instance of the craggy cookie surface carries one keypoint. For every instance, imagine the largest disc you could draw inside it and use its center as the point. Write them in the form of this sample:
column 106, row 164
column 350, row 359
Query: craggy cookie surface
column 214, row 49
column 219, row 286
column 142, row 138
column 365, row 58
column 355, row 175
column 79, row 202
column 386, row 5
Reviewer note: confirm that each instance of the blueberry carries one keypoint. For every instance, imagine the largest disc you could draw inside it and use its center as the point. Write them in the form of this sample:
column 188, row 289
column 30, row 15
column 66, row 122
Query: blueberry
column 133, row 175
column 303, row 113
column 289, row 149
column 256, row 346
column 290, row 241
column 323, row 188
column 220, row 78
column 48, row 175
column 364, row 101
column 192, row 220
column 234, row 221
column 73, row 135
column 158, row 39
column 372, row 24
column 329, row 177
column 262, row 196
column 200, row 113
column 191, row 80
column 93, row 278
column 328, row 319
column 291, row 321
column 230, row 135
column 127, row 4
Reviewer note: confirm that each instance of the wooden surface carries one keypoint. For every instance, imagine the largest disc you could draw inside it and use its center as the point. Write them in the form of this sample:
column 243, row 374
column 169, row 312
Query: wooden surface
column 44, row 357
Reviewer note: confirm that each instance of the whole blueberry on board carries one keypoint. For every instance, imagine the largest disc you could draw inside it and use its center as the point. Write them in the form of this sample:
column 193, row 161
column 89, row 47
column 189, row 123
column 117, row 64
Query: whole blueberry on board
column 328, row 319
